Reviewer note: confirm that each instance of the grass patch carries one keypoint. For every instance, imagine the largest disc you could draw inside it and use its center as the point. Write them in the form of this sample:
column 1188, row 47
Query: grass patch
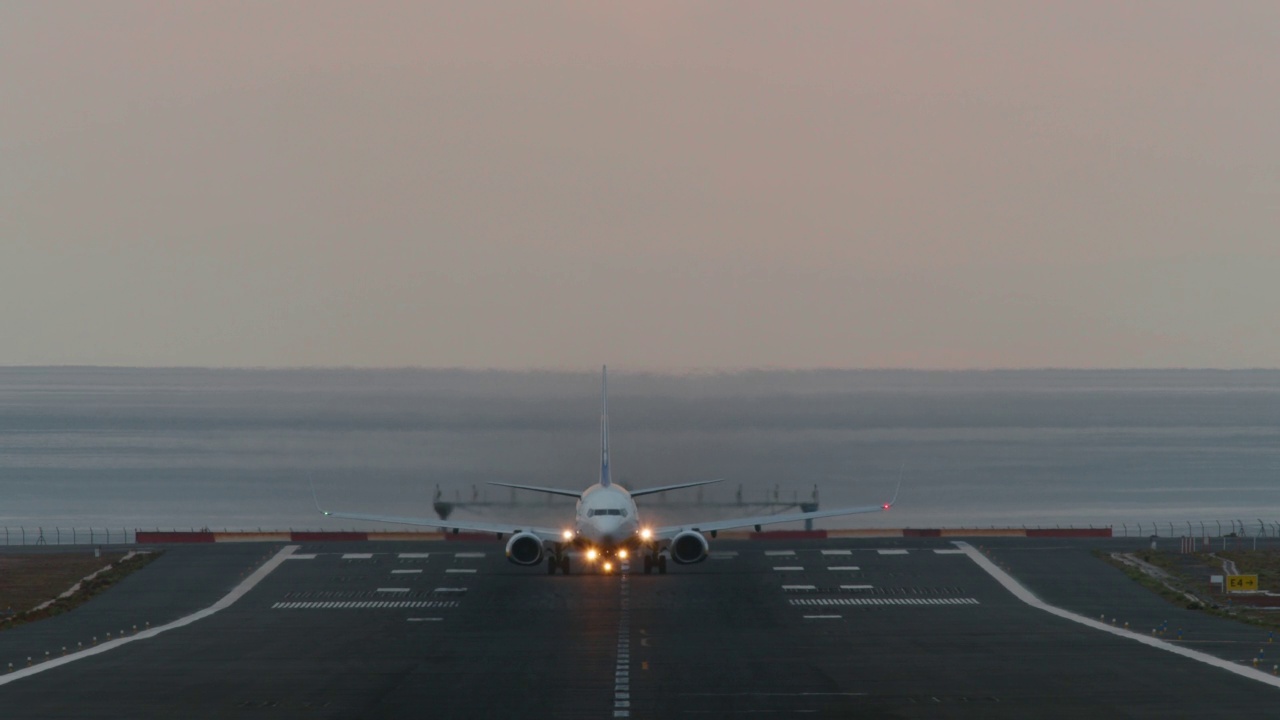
column 1188, row 573
column 27, row 581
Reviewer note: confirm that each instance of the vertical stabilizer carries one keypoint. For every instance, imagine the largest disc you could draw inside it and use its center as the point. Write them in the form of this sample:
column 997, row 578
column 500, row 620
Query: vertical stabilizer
column 604, row 426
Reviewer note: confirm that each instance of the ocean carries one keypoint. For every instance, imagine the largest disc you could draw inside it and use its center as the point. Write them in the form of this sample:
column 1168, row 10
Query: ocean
column 237, row 449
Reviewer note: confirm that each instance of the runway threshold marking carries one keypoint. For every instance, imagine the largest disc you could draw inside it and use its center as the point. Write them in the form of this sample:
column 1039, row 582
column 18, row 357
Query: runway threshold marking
column 1022, row 593
column 227, row 600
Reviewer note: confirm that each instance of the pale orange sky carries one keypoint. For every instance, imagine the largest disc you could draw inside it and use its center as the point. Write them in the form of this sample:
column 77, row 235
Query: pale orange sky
column 658, row 185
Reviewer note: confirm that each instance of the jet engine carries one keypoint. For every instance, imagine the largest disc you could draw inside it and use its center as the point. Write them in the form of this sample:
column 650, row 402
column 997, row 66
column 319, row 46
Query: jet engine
column 524, row 549
column 689, row 547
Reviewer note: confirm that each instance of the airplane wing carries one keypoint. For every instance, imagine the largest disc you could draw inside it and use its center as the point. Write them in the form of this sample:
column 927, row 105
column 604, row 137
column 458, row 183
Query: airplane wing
column 664, row 488
column 665, row 533
column 454, row 525
column 535, row 488
column 463, row 525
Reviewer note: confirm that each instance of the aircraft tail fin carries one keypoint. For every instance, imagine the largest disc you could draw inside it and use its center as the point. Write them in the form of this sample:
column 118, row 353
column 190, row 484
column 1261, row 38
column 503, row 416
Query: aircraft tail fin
column 604, row 427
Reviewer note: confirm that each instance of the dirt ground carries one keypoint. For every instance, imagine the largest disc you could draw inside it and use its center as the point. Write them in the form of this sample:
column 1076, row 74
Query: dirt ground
column 28, row 580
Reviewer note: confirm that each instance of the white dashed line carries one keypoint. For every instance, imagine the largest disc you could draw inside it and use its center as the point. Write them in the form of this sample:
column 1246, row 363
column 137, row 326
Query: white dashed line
column 358, row 556
column 414, row 556
column 827, row 602
column 301, row 557
column 892, row 552
column 393, row 589
column 460, row 570
column 778, row 553
column 821, row 617
column 391, row 604
column 788, row 568
column 469, row 555
column 450, row 590
column 799, row 587
column 844, row 568
column 424, row 619
column 949, row 552
column 837, row 552
column 405, row 572
column 855, row 587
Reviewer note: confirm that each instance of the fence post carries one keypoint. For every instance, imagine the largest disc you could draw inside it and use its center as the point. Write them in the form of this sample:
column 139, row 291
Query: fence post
column 90, row 534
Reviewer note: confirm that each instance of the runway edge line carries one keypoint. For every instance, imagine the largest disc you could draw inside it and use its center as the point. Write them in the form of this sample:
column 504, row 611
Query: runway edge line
column 1028, row 597
column 229, row 599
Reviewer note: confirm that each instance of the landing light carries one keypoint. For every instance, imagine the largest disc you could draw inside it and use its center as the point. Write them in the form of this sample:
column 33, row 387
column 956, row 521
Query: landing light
column 622, row 554
column 567, row 534
column 592, row 554
column 646, row 533
column 608, row 567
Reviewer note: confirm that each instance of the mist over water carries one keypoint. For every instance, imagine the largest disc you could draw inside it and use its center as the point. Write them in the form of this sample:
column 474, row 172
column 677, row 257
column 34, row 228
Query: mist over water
column 143, row 448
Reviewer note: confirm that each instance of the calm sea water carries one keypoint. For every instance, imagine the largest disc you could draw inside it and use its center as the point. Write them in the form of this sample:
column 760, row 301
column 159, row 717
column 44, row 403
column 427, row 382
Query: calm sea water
column 236, row 448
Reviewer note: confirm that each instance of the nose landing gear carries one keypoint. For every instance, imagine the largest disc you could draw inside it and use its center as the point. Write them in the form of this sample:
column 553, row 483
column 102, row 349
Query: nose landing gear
column 558, row 561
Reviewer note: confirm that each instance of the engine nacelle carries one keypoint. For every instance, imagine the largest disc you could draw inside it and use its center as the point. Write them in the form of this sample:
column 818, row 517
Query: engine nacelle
column 524, row 549
column 689, row 547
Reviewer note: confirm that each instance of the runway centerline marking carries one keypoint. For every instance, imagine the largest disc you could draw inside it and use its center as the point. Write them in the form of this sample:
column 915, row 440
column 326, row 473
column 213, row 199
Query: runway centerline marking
column 461, row 570
column 778, row 553
column 1028, row 597
column 844, row 568
column 393, row 590
column 799, row 587
column 946, row 551
column 357, row 556
column 892, row 552
column 837, row 552
column 821, row 617
column 405, row 572
column 788, row 568
column 414, row 556
column 227, row 600
column 469, row 555
column 311, row 556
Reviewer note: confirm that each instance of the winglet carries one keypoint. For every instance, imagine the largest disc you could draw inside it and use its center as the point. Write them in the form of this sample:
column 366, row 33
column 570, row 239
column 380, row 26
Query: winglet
column 896, row 489
column 315, row 499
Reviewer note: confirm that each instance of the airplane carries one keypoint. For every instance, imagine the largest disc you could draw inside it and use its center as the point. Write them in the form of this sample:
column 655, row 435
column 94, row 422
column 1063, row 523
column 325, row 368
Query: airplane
column 606, row 528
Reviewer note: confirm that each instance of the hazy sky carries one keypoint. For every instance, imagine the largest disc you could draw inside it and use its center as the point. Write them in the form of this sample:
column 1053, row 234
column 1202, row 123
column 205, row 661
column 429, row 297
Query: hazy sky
column 658, row 185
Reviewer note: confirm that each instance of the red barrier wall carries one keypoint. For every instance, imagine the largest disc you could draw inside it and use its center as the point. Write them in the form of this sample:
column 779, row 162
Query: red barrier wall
column 328, row 536
column 471, row 537
column 1070, row 532
column 790, row 535
column 174, row 537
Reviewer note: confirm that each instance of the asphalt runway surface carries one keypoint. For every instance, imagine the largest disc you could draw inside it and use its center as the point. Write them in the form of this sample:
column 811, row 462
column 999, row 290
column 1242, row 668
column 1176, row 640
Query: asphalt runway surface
column 817, row 628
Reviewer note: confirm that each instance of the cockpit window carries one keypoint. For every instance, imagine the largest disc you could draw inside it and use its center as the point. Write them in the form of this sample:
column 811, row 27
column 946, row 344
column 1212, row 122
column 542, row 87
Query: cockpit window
column 606, row 511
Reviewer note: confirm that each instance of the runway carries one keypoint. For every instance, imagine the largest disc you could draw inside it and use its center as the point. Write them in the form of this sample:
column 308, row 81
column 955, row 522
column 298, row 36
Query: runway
column 906, row 628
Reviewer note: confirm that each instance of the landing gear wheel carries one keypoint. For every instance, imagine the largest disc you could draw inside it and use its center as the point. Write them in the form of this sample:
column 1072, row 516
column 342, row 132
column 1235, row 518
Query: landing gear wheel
column 564, row 564
column 662, row 564
column 648, row 564
column 551, row 564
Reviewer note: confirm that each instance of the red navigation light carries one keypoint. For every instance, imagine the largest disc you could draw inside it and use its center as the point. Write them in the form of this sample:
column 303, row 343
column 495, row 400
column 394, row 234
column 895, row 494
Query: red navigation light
column 885, row 506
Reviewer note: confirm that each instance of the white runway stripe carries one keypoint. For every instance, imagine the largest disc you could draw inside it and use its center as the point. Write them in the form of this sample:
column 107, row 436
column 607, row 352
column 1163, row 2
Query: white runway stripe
column 357, row 556
column 414, row 556
column 949, row 552
column 461, row 570
column 360, row 605
column 882, row 601
column 310, row 556
column 799, row 587
column 405, row 572
column 892, row 552
column 837, row 552
column 469, row 554
column 844, row 568
column 395, row 590
column 855, row 587
column 778, row 553
column 434, row 619
column 788, row 568
column 821, row 617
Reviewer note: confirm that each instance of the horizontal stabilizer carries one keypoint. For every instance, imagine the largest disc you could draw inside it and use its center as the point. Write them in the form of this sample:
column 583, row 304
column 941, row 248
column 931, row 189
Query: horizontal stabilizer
column 535, row 488
column 664, row 488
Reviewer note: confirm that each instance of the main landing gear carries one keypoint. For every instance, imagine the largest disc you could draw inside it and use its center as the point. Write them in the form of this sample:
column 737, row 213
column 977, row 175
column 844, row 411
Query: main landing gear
column 557, row 561
column 658, row 561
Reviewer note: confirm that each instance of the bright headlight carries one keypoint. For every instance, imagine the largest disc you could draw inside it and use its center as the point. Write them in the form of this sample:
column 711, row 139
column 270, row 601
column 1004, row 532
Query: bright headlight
column 592, row 554
column 622, row 554
column 646, row 533
column 608, row 567
column 567, row 534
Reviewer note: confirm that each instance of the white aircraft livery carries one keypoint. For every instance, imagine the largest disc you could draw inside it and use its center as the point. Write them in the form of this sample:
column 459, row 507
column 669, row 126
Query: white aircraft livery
column 607, row 526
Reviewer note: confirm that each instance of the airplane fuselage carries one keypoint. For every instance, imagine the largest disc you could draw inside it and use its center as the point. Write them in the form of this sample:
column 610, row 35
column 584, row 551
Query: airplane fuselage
column 606, row 519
